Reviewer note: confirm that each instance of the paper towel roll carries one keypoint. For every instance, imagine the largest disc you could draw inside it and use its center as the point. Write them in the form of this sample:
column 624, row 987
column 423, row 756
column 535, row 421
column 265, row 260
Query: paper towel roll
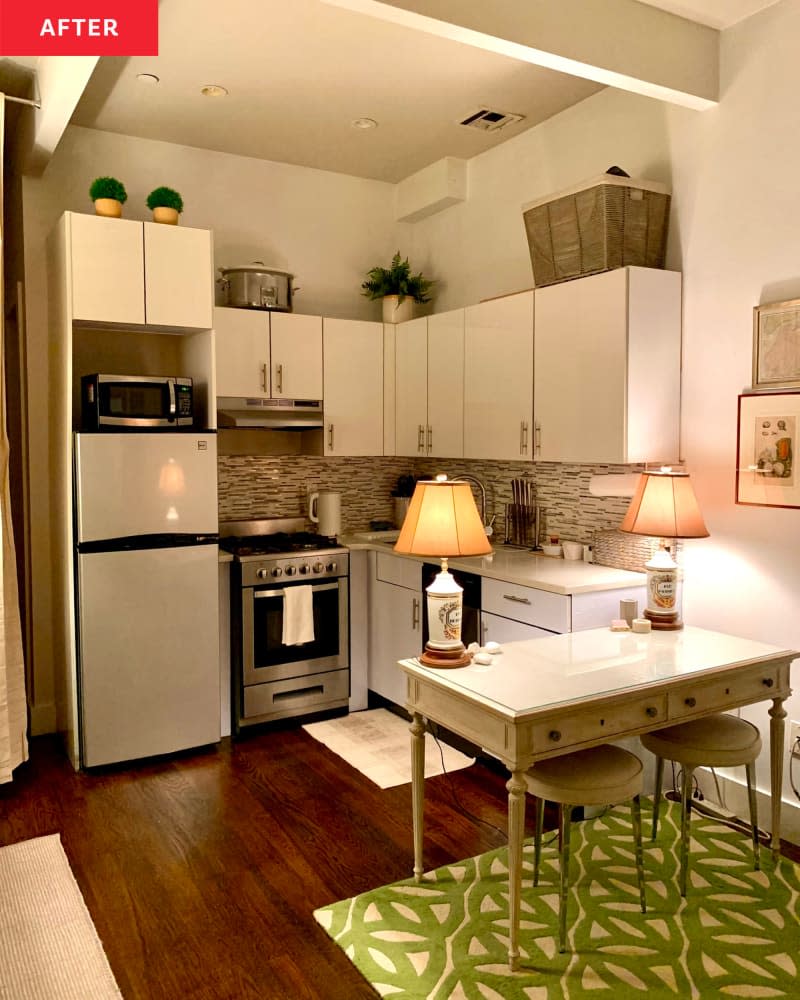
column 614, row 485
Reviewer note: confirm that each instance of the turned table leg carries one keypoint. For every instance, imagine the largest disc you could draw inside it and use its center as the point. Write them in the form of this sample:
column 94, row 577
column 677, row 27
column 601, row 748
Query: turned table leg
column 516, row 832
column 417, row 729
column 777, row 715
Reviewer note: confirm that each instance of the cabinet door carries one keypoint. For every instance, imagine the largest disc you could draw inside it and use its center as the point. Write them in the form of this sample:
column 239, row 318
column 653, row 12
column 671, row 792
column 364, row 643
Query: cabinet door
column 495, row 628
column 242, row 352
column 107, row 269
column 411, row 386
column 352, row 362
column 296, row 348
column 395, row 634
column 179, row 279
column 498, row 378
column 445, row 430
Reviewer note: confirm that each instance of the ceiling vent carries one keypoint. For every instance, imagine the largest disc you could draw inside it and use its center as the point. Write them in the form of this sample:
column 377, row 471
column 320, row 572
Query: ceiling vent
column 490, row 121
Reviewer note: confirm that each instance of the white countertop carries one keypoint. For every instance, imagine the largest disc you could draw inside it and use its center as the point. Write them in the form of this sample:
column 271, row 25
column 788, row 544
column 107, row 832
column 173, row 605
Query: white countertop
column 528, row 569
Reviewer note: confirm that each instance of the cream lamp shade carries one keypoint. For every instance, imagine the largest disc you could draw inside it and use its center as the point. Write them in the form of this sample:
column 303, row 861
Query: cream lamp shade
column 443, row 521
column 664, row 506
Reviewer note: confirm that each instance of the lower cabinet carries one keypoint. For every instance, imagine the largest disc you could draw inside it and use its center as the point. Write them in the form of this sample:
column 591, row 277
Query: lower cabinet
column 395, row 622
column 496, row 628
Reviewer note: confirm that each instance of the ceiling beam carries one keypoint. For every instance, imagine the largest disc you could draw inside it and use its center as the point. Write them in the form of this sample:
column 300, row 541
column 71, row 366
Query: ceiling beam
column 619, row 43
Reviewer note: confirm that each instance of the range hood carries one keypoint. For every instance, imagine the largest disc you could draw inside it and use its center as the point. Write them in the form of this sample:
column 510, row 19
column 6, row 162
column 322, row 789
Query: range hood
column 271, row 414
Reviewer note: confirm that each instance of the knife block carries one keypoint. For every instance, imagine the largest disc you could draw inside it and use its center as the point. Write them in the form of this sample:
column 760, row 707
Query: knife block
column 522, row 525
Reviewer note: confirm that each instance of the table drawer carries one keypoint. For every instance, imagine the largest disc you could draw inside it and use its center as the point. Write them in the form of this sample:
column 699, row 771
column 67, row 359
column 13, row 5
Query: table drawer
column 726, row 692
column 527, row 604
column 591, row 725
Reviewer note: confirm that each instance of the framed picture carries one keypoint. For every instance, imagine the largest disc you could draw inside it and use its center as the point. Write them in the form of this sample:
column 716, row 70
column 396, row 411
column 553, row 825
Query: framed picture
column 766, row 472
column 776, row 345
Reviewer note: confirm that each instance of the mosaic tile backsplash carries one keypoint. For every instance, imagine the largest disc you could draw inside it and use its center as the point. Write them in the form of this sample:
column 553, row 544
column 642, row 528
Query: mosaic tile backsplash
column 256, row 486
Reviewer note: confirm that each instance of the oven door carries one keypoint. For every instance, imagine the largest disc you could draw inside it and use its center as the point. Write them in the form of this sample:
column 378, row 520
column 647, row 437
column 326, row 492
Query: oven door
column 264, row 656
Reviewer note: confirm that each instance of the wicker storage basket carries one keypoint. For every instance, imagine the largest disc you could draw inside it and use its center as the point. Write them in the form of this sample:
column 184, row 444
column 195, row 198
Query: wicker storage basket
column 605, row 223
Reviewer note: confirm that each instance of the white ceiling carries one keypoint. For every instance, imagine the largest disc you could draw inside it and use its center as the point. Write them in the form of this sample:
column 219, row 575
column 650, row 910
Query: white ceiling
column 299, row 72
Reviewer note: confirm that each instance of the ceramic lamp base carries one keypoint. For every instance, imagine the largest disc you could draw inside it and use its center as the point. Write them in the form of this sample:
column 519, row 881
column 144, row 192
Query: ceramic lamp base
column 445, row 659
column 663, row 623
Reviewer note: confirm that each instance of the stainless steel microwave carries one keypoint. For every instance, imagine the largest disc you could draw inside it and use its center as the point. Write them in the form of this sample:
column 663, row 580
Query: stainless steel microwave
column 136, row 402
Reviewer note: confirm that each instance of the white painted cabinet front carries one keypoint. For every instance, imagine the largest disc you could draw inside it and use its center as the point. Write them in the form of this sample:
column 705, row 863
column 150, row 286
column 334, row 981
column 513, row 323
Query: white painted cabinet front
column 411, row 386
column 296, row 350
column 607, row 368
column 353, row 387
column 498, row 378
column 395, row 622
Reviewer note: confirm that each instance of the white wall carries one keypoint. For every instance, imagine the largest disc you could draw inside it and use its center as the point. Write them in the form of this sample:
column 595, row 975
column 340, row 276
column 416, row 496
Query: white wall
column 327, row 229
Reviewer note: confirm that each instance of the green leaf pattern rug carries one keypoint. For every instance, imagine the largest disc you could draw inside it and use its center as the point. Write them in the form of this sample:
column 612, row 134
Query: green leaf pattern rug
column 446, row 938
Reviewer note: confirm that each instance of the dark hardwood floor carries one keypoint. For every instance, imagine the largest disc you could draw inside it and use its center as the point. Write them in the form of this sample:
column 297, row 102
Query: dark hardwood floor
column 201, row 871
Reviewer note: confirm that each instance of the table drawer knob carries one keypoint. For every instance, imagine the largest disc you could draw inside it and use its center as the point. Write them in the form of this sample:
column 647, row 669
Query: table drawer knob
column 651, row 712
column 691, row 702
column 555, row 735
column 768, row 682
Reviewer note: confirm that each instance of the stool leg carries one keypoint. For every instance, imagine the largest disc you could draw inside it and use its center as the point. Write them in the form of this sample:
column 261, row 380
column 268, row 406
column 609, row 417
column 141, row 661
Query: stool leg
column 686, row 806
column 751, row 795
column 657, row 795
column 636, row 815
column 537, row 843
column 565, row 829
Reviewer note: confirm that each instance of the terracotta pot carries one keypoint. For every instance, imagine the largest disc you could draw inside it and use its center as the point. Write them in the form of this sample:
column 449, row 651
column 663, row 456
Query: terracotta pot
column 395, row 311
column 169, row 216
column 109, row 207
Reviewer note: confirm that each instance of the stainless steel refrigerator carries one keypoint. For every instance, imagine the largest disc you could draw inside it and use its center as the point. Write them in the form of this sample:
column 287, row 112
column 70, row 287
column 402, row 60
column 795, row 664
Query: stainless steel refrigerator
column 147, row 593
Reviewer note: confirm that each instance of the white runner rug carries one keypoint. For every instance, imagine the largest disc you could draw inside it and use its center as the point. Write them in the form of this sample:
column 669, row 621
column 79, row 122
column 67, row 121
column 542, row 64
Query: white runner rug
column 49, row 948
column 378, row 744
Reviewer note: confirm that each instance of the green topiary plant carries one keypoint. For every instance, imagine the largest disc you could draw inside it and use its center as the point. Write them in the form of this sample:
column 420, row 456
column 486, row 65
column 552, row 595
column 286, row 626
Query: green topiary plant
column 108, row 187
column 396, row 280
column 164, row 197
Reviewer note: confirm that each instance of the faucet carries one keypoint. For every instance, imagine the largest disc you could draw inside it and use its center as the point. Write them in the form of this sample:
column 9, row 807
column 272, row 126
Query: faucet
column 481, row 487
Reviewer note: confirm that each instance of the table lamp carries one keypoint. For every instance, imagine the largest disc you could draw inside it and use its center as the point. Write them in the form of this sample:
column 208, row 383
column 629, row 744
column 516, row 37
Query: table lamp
column 443, row 521
column 664, row 506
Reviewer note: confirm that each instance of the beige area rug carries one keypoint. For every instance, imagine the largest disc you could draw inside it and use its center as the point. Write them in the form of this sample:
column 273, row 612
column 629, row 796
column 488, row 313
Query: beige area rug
column 378, row 744
column 49, row 948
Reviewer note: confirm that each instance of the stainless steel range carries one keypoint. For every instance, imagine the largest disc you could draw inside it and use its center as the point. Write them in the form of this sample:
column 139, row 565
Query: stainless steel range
column 273, row 678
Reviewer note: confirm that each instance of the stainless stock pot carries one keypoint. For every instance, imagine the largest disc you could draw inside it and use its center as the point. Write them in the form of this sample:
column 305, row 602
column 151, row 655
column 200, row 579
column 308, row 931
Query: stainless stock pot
column 256, row 286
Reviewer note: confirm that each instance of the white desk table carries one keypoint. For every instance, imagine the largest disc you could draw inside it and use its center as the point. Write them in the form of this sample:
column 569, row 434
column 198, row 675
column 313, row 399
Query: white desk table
column 546, row 697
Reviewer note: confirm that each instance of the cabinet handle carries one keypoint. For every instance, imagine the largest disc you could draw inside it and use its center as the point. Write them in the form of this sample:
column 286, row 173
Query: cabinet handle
column 279, row 377
column 414, row 614
column 515, row 599
column 264, row 377
column 768, row 682
column 651, row 712
column 537, row 438
column 330, row 436
column 430, row 438
column 555, row 735
column 523, row 431
column 420, row 437
column 691, row 702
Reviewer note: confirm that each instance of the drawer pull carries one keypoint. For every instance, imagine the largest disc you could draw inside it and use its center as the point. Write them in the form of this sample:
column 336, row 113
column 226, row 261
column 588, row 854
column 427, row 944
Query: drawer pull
column 691, row 702
column 555, row 735
column 515, row 599
column 651, row 711
column 768, row 682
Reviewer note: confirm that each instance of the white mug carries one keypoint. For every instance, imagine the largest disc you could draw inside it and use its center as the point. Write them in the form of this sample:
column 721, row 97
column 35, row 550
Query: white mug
column 325, row 510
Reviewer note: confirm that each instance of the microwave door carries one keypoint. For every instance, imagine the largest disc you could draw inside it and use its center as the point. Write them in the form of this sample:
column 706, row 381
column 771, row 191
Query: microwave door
column 129, row 484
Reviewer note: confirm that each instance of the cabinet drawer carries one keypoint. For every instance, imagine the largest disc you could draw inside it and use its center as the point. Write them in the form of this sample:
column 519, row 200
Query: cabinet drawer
column 591, row 725
column 730, row 692
column 401, row 572
column 526, row 604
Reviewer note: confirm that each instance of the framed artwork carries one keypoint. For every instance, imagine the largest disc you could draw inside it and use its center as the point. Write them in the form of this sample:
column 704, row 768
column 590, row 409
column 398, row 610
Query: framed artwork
column 776, row 345
column 766, row 472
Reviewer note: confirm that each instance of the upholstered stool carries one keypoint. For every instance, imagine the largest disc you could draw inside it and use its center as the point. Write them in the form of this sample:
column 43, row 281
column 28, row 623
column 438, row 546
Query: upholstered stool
column 717, row 741
column 599, row 776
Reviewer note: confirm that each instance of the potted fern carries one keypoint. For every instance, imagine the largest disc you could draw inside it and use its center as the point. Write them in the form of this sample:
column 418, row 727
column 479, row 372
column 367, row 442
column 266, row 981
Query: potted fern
column 165, row 204
column 398, row 288
column 108, row 195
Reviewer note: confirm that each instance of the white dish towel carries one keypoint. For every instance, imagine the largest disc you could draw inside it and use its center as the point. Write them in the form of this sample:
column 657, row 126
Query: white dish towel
column 298, row 616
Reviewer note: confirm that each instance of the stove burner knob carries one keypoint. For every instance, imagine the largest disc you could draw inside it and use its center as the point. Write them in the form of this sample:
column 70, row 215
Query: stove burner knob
column 276, row 572
column 291, row 570
column 331, row 567
column 261, row 573
column 304, row 569
column 318, row 567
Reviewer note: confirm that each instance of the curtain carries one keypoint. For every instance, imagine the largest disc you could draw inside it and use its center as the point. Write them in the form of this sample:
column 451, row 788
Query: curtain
column 13, row 708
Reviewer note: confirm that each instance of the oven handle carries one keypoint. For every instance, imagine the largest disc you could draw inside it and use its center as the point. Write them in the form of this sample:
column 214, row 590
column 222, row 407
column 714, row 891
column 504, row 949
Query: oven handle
column 278, row 592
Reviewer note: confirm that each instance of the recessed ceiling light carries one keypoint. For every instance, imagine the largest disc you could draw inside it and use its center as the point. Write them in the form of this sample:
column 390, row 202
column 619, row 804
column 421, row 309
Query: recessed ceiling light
column 150, row 79
column 213, row 90
column 364, row 123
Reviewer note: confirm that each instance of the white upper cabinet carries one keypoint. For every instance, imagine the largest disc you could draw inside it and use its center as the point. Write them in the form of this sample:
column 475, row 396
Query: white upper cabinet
column 242, row 349
column 429, row 386
column 352, row 353
column 498, row 378
column 125, row 272
column 607, row 371
column 296, row 349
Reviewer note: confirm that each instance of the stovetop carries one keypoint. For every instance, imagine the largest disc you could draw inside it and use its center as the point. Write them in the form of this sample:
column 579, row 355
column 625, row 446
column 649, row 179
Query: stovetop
column 279, row 543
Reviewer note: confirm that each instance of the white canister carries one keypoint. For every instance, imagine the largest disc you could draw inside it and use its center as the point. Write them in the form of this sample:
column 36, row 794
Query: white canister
column 325, row 510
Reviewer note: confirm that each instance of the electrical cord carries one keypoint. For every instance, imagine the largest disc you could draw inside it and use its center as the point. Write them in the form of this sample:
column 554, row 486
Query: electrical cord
column 793, row 754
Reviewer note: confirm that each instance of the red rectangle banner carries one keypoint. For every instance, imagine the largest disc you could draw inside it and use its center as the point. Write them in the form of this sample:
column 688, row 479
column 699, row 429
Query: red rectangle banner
column 78, row 27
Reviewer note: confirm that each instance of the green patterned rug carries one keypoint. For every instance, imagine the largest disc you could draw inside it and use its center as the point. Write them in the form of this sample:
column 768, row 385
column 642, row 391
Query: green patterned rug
column 446, row 938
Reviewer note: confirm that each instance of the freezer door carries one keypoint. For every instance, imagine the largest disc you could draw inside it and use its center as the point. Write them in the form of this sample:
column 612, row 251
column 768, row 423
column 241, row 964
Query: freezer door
column 142, row 484
column 148, row 651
